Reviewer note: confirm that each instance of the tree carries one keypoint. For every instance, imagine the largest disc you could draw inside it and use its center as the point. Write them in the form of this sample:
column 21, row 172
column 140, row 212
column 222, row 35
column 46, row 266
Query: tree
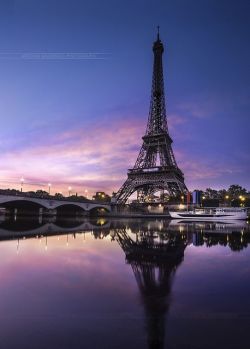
column 42, row 193
column 235, row 191
column 211, row 193
column 222, row 194
column 59, row 195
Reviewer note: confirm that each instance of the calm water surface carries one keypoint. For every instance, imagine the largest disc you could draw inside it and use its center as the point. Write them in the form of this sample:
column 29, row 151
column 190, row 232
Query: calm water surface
column 124, row 284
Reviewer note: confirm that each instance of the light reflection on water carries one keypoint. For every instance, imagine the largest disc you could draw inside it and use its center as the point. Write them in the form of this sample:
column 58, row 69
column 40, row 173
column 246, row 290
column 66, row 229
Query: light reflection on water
column 124, row 284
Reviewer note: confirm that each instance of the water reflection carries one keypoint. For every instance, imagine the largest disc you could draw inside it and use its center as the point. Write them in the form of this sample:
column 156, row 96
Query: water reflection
column 154, row 258
column 153, row 249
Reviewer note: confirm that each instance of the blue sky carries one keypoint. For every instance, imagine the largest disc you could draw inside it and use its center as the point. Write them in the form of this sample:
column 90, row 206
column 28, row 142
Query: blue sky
column 78, row 122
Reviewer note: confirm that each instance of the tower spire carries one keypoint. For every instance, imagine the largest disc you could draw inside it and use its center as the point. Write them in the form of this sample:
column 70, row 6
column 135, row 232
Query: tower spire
column 158, row 33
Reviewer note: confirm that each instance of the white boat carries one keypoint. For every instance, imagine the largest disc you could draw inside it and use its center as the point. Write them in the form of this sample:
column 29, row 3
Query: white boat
column 211, row 214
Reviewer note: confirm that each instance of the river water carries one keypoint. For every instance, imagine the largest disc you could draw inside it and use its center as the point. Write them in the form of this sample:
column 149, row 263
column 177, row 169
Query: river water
column 124, row 284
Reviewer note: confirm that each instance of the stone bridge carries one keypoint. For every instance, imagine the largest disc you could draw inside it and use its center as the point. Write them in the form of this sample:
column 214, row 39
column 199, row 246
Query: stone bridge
column 51, row 203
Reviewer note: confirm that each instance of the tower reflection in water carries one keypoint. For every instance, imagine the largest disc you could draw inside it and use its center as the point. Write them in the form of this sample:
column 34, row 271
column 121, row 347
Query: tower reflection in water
column 154, row 258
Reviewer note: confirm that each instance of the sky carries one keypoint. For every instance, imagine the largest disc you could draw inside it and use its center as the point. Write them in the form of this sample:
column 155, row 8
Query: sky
column 75, row 90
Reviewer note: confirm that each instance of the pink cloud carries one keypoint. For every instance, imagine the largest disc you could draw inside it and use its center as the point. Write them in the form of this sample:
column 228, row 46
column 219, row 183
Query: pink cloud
column 96, row 157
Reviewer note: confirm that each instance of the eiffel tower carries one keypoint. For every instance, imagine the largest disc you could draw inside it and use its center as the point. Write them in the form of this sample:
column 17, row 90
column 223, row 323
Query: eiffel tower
column 155, row 168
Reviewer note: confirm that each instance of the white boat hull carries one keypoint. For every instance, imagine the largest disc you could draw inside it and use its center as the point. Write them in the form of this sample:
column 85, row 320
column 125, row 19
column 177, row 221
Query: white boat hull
column 218, row 216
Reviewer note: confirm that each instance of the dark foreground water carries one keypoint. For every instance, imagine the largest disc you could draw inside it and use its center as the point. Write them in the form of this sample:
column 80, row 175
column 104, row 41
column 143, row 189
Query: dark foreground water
column 124, row 284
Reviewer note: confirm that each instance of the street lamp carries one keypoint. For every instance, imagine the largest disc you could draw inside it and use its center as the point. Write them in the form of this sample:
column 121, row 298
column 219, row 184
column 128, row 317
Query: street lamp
column 49, row 185
column 86, row 193
column 69, row 188
column 22, row 180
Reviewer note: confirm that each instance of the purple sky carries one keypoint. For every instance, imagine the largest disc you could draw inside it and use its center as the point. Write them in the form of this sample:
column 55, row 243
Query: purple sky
column 78, row 121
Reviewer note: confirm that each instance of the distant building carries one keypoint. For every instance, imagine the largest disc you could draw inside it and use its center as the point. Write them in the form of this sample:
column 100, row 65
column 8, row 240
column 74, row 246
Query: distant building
column 197, row 196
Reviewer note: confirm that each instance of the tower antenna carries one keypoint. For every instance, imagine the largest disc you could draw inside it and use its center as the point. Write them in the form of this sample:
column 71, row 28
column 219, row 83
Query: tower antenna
column 158, row 32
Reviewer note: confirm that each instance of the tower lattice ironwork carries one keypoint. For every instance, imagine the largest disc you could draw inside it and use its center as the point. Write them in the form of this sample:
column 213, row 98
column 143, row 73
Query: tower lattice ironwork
column 155, row 168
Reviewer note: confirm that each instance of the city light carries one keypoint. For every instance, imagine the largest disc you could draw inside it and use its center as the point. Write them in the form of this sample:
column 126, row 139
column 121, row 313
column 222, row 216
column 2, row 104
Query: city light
column 22, row 181
column 69, row 189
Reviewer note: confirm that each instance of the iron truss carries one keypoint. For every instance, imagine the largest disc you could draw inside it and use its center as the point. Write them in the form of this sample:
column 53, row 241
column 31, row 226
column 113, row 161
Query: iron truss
column 155, row 168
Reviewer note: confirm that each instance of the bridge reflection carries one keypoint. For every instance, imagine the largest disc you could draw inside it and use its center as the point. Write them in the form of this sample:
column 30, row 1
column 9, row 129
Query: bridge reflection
column 16, row 228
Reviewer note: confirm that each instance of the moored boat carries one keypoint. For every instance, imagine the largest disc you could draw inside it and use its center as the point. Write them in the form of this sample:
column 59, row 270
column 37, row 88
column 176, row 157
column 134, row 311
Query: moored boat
column 211, row 214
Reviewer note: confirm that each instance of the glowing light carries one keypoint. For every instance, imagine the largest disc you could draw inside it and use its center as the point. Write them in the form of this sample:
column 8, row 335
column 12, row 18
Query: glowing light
column 101, row 221
column 181, row 229
column 69, row 189
column 22, row 181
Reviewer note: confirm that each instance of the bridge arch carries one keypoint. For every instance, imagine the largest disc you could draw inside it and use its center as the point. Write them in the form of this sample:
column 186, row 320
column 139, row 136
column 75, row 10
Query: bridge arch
column 8, row 200
column 70, row 209
column 99, row 210
column 24, row 207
